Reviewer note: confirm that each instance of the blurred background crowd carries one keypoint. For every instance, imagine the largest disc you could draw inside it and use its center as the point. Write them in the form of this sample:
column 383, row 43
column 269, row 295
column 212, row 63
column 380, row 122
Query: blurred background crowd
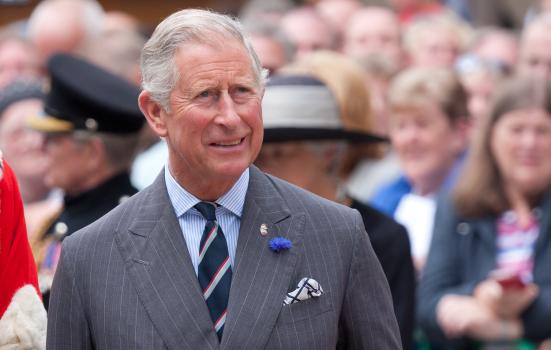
column 453, row 182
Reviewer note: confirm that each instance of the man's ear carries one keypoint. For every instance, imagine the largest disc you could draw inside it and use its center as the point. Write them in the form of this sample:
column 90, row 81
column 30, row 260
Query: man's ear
column 97, row 155
column 153, row 113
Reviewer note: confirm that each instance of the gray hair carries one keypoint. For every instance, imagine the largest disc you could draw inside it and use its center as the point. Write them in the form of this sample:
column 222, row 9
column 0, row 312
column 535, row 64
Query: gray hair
column 159, row 72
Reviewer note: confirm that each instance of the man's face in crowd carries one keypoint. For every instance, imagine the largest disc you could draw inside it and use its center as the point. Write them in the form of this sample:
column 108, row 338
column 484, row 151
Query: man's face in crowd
column 535, row 56
column 22, row 147
column 374, row 31
column 438, row 47
column 270, row 52
column 16, row 60
column 307, row 32
column 293, row 162
column 69, row 163
column 214, row 126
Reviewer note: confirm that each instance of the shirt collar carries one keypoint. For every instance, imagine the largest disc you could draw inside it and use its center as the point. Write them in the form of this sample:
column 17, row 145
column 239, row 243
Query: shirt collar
column 182, row 200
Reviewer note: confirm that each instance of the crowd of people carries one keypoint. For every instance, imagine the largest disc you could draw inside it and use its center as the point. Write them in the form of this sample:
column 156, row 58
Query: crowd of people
column 432, row 119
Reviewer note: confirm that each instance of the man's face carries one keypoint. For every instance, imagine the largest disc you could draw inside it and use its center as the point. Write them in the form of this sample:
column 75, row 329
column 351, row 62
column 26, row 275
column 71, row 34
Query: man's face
column 67, row 166
column 16, row 60
column 374, row 32
column 535, row 56
column 291, row 161
column 22, row 147
column 307, row 32
column 438, row 47
column 214, row 127
column 270, row 52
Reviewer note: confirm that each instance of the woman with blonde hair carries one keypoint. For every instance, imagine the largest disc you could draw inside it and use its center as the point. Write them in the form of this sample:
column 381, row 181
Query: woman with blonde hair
column 429, row 132
column 346, row 79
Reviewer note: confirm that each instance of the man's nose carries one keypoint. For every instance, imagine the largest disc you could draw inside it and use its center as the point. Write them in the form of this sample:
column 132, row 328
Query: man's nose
column 227, row 113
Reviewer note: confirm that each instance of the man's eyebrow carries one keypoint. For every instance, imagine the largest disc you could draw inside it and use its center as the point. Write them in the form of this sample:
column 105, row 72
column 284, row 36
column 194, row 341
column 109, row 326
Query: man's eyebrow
column 202, row 85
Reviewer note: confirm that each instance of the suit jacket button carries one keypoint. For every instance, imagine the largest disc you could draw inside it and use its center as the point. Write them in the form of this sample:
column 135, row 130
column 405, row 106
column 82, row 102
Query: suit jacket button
column 463, row 228
column 60, row 230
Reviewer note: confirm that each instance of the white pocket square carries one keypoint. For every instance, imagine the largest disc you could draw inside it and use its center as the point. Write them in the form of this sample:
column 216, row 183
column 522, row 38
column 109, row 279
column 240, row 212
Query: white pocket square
column 307, row 288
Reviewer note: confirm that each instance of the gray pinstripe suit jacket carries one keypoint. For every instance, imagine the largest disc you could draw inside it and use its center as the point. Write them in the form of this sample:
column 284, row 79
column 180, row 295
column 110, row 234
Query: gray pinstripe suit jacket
column 127, row 282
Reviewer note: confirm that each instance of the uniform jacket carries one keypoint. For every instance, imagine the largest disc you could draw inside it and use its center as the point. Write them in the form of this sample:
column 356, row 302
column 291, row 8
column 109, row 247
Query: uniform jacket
column 462, row 254
column 85, row 208
column 78, row 211
column 127, row 281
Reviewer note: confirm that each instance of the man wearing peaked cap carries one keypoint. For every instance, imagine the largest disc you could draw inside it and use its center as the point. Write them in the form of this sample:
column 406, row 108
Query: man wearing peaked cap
column 91, row 122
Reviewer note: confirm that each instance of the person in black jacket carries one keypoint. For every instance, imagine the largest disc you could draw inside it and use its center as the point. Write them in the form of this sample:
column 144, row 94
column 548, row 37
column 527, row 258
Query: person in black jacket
column 305, row 144
column 91, row 123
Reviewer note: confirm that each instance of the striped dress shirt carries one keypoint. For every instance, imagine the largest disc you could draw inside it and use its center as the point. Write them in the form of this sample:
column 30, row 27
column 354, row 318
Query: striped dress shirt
column 192, row 223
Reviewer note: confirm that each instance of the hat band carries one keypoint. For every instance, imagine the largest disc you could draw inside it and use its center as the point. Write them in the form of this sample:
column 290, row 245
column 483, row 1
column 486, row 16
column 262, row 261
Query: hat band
column 47, row 123
column 293, row 106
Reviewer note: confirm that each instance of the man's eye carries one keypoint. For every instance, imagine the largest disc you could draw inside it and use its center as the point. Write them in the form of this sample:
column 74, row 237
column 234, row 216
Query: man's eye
column 204, row 94
column 242, row 90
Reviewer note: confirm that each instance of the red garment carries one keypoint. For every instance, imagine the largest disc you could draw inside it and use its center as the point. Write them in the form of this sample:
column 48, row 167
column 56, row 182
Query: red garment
column 409, row 14
column 17, row 266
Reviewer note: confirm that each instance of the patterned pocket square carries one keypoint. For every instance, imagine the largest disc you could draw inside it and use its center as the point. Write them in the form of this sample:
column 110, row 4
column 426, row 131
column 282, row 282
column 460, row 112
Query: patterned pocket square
column 307, row 288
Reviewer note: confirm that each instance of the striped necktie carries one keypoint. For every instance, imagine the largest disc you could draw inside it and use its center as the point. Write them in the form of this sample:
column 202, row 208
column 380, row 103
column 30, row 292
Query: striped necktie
column 214, row 271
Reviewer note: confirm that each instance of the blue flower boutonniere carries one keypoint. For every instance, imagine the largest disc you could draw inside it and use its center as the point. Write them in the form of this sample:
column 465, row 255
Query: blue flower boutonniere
column 278, row 244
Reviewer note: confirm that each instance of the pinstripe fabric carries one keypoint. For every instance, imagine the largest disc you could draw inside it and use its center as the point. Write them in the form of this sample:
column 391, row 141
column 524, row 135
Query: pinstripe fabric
column 127, row 281
column 192, row 222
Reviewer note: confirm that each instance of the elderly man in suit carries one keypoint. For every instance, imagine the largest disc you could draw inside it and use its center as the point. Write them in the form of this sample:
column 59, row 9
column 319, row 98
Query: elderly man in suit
column 216, row 254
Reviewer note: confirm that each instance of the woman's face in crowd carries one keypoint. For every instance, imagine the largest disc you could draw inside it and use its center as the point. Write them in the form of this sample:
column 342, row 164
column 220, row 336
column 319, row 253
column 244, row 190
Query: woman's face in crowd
column 521, row 145
column 426, row 143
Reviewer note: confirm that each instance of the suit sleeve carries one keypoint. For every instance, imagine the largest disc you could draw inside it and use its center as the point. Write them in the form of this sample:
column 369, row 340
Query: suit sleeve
column 367, row 320
column 67, row 324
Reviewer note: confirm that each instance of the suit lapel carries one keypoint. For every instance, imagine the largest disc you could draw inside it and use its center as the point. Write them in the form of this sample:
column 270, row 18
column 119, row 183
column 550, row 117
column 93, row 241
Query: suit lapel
column 261, row 276
column 157, row 261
